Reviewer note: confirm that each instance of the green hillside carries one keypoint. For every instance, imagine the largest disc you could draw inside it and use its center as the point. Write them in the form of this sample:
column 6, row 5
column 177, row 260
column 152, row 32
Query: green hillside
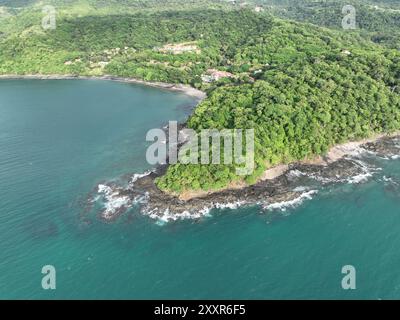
column 302, row 87
column 377, row 20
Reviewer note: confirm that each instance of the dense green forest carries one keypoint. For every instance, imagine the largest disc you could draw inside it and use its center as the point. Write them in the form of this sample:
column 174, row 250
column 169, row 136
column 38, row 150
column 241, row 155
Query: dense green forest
column 378, row 20
column 299, row 80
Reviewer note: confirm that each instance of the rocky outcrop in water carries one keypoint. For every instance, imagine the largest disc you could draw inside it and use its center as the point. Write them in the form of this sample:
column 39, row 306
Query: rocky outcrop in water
column 299, row 182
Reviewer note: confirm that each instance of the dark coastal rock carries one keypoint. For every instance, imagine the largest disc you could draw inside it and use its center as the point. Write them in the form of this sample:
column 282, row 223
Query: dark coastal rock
column 333, row 172
column 388, row 146
column 299, row 179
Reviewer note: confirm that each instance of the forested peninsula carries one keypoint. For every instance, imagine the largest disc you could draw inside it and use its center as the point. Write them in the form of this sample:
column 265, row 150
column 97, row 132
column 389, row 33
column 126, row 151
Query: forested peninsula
column 300, row 81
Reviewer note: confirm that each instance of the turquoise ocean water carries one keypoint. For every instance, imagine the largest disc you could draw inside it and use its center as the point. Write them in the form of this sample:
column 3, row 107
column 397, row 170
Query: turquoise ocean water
column 60, row 139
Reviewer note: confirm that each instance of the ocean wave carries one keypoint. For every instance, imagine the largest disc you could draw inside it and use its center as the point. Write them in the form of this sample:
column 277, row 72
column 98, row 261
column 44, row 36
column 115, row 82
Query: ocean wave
column 292, row 174
column 359, row 163
column 357, row 152
column 138, row 176
column 295, row 173
column 114, row 202
column 290, row 204
column 301, row 189
column 363, row 177
column 168, row 216
column 390, row 181
column 367, row 171
column 229, row 205
column 389, row 157
column 325, row 180
column 115, row 199
column 387, row 179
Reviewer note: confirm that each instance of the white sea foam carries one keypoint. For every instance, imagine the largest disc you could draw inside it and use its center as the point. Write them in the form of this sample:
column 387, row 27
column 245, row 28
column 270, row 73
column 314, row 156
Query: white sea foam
column 358, row 151
column 114, row 202
column 205, row 212
column 142, row 199
column 367, row 172
column 390, row 180
column 387, row 179
column 102, row 188
column 363, row 177
column 284, row 205
column 295, row 173
column 230, row 205
column 360, row 163
column 300, row 189
column 389, row 157
column 168, row 216
column 137, row 176
column 325, row 180
column 94, row 199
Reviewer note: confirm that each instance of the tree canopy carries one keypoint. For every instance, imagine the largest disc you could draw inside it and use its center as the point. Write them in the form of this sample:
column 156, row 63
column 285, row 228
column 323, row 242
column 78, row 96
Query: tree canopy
column 302, row 87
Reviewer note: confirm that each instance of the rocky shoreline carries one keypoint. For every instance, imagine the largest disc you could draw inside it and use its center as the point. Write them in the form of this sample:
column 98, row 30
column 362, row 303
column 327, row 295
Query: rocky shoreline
column 188, row 90
column 299, row 182
column 284, row 185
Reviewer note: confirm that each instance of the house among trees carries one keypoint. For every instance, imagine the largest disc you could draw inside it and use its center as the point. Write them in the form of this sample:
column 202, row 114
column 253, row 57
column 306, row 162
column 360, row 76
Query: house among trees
column 179, row 48
column 215, row 75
